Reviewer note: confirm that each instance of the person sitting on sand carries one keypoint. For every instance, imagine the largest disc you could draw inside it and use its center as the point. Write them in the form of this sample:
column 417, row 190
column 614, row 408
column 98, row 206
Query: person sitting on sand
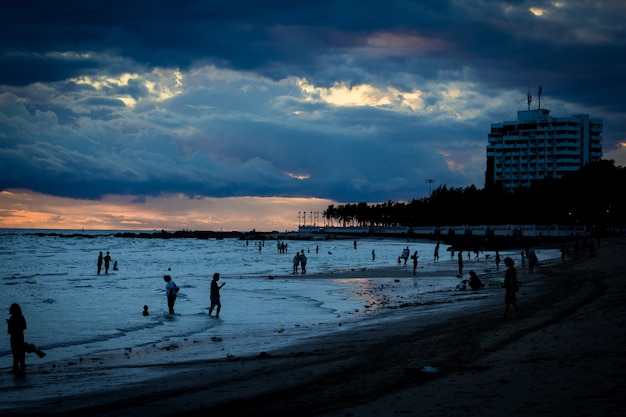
column 474, row 282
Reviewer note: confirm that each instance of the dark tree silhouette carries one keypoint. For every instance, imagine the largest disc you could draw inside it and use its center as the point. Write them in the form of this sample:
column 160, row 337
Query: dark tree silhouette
column 592, row 196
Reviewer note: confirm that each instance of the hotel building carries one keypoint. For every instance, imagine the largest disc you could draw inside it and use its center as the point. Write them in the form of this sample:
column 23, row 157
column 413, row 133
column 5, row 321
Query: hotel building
column 538, row 146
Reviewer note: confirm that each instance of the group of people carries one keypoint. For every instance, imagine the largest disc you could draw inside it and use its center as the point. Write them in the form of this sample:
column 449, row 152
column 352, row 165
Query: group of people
column 282, row 247
column 171, row 291
column 107, row 262
column 299, row 259
column 404, row 256
column 474, row 283
column 511, row 284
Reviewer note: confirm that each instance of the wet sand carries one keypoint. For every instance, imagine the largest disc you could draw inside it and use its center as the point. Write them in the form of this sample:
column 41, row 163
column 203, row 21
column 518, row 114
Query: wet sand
column 563, row 356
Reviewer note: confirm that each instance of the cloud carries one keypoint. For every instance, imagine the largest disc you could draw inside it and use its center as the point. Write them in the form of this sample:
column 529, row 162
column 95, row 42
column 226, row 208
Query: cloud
column 340, row 101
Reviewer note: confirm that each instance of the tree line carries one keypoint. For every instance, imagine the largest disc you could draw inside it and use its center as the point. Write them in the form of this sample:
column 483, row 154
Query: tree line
column 592, row 196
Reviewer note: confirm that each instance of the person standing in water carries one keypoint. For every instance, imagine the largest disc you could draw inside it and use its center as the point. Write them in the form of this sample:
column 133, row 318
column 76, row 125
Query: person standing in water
column 107, row 262
column 303, row 262
column 171, row 289
column 16, row 326
column 99, row 262
column 296, row 262
column 215, row 295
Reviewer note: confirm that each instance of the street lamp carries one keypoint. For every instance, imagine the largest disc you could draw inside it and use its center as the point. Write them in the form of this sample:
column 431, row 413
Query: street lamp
column 430, row 182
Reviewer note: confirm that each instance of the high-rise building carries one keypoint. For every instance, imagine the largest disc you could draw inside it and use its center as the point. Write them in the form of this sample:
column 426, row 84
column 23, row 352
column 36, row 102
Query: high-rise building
column 538, row 146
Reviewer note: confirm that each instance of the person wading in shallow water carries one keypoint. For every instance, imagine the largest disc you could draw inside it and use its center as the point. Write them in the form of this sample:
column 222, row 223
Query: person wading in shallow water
column 215, row 295
column 107, row 262
column 171, row 289
column 100, row 260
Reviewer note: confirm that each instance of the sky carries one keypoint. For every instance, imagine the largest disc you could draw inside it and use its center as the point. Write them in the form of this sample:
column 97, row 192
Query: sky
column 250, row 115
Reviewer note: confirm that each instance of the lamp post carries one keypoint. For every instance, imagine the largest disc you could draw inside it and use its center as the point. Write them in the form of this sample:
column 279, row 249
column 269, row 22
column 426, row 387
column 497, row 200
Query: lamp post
column 430, row 182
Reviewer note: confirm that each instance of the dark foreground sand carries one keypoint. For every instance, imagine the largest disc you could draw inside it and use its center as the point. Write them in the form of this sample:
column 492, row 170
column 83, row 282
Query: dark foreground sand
column 564, row 356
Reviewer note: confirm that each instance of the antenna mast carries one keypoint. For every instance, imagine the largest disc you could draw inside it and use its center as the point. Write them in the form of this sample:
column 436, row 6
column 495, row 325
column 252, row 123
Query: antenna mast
column 529, row 98
column 540, row 89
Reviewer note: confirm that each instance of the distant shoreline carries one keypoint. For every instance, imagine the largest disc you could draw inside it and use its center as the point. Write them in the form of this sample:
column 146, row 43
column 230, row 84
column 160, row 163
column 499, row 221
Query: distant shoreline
column 459, row 242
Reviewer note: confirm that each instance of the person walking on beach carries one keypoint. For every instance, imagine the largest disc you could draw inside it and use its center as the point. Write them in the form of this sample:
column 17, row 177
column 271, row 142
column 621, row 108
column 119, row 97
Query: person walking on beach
column 511, row 285
column 460, row 256
column 107, row 262
column 215, row 295
column 16, row 325
column 171, row 289
column 436, row 258
column 497, row 260
column 99, row 262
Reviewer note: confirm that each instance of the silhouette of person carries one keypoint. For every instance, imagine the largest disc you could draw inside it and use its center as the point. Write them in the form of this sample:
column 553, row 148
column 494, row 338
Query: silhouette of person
column 296, row 262
column 99, row 262
column 405, row 255
column 460, row 257
column 215, row 295
column 511, row 285
column 532, row 261
column 497, row 260
column 303, row 262
column 414, row 257
column 373, row 255
column 171, row 289
column 436, row 258
column 107, row 261
column 16, row 326
column 145, row 311
column 474, row 282
column 115, row 265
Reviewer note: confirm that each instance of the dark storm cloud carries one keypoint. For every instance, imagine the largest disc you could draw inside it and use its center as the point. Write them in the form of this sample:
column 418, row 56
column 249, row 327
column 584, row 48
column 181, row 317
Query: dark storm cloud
column 572, row 49
column 66, row 130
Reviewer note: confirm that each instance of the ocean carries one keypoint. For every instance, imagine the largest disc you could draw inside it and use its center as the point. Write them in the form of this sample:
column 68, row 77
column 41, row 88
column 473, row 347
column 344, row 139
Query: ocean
column 77, row 316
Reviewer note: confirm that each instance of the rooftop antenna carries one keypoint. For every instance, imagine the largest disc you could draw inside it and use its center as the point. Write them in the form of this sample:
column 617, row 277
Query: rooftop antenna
column 540, row 89
column 529, row 98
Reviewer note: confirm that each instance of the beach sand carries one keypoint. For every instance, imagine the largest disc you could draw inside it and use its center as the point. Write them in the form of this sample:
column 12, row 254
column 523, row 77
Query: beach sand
column 565, row 355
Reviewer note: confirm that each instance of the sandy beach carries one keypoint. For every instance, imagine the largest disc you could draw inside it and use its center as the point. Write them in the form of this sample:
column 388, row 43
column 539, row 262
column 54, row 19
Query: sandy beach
column 563, row 356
